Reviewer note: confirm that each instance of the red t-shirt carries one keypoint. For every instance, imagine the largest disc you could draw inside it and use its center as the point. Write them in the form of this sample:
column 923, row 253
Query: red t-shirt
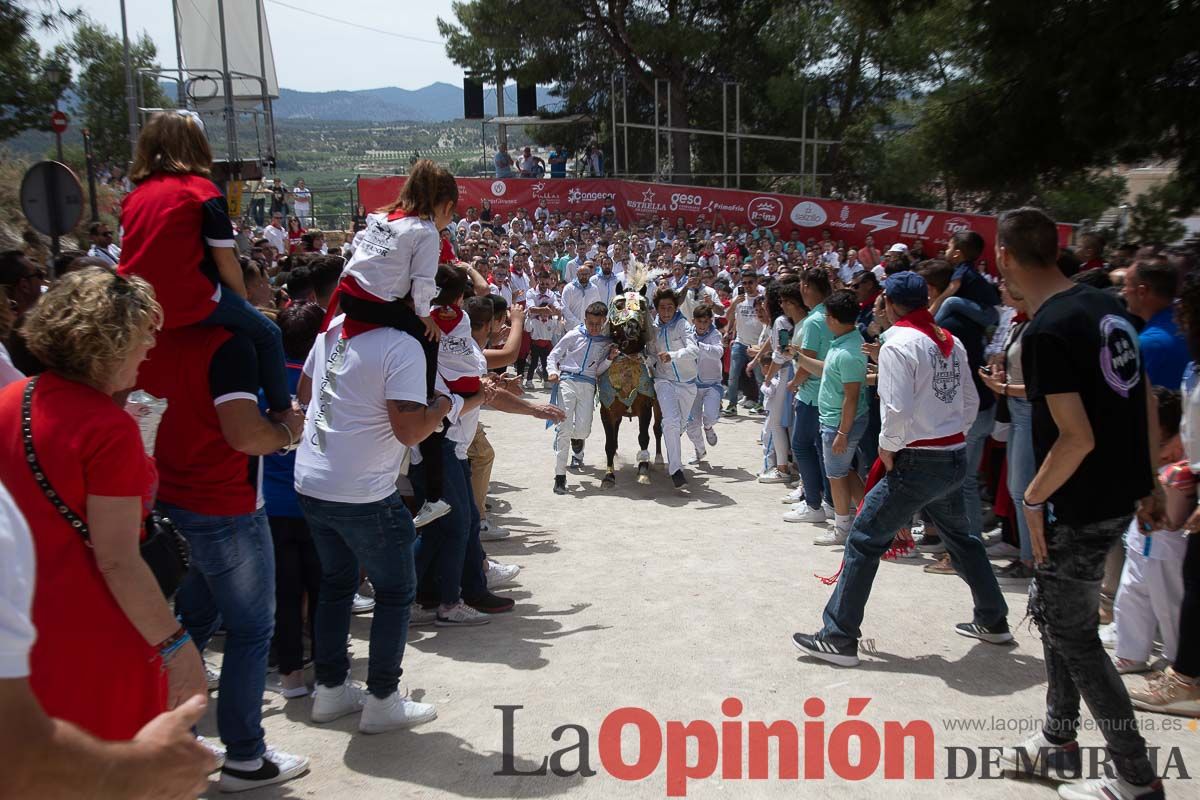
column 89, row 665
column 168, row 223
column 196, row 369
column 296, row 241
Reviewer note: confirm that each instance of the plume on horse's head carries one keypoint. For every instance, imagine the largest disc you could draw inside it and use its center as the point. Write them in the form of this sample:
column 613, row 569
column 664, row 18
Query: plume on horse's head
column 628, row 322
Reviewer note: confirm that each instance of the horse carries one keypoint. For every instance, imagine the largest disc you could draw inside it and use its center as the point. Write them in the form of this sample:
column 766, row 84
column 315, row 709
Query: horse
column 626, row 389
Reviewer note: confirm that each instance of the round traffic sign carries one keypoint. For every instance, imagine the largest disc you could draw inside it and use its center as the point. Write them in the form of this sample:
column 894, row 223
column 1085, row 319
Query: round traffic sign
column 58, row 122
column 51, row 198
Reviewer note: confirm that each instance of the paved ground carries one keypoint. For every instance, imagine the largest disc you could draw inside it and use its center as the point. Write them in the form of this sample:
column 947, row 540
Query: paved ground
column 673, row 602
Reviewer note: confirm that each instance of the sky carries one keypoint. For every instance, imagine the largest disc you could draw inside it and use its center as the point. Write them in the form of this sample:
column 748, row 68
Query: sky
column 317, row 53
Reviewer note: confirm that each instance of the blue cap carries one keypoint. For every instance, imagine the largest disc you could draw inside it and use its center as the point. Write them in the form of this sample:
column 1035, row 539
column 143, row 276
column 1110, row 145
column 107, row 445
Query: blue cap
column 907, row 289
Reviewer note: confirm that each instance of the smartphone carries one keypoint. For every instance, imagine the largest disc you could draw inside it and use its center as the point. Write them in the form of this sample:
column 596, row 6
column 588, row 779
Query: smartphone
column 986, row 370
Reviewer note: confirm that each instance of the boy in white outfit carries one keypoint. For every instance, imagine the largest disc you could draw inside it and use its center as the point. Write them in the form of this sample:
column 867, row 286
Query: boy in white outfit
column 671, row 355
column 575, row 363
column 707, row 405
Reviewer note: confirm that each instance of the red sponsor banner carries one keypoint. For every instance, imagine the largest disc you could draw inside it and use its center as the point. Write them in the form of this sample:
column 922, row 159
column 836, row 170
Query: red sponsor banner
column 787, row 215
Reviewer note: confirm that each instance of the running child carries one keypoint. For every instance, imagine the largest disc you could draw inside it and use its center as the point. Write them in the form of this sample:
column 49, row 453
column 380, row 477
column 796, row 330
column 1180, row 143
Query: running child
column 707, row 406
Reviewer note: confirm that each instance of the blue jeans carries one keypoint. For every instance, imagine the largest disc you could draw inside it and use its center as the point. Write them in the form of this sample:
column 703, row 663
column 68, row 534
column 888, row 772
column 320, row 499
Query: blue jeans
column 838, row 466
column 738, row 359
column 806, row 451
column 868, row 446
column 929, row 479
column 231, row 580
column 442, row 544
column 237, row 314
column 976, row 439
column 380, row 536
column 985, row 317
column 1021, row 465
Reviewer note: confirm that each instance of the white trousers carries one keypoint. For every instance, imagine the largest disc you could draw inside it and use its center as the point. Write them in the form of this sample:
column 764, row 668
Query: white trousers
column 578, row 399
column 1149, row 598
column 676, row 401
column 776, row 438
column 705, row 410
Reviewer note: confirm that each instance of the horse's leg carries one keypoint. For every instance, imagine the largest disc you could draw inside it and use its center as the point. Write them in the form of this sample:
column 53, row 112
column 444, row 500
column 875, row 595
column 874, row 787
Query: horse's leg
column 644, row 414
column 611, row 420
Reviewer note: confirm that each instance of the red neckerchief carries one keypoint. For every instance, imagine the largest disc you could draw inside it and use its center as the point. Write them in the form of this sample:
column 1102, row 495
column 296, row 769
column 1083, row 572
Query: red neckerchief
column 1020, row 316
column 869, row 303
column 922, row 321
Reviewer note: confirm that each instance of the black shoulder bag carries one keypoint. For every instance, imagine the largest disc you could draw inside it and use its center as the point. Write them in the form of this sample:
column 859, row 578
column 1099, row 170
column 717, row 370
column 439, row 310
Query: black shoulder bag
column 164, row 549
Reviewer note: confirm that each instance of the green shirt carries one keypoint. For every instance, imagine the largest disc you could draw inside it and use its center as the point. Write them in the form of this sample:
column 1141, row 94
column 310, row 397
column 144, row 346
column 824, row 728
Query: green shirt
column 560, row 265
column 815, row 336
column 844, row 363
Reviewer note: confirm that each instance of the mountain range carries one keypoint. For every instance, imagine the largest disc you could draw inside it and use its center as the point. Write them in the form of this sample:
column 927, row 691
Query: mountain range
column 437, row 102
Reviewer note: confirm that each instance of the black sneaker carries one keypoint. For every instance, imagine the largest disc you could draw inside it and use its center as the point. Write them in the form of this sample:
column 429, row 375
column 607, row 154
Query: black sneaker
column 815, row 646
column 560, row 484
column 491, row 603
column 276, row 767
column 729, row 411
column 678, row 479
column 1018, row 573
column 992, row 634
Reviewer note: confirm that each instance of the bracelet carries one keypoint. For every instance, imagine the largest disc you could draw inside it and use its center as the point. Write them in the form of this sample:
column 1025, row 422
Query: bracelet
column 1032, row 506
column 287, row 434
column 842, row 433
column 167, row 652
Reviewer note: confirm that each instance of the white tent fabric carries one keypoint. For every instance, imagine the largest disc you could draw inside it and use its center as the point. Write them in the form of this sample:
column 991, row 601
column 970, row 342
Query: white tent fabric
column 199, row 29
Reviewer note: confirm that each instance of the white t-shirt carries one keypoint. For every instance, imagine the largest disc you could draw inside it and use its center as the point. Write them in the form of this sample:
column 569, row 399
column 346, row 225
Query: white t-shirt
column 17, row 573
column 749, row 326
column 462, row 431
column 396, row 258
column 349, row 453
column 277, row 237
column 302, row 202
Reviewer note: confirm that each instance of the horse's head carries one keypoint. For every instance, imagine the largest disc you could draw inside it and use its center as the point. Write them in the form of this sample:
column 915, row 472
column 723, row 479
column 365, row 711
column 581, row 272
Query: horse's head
column 627, row 322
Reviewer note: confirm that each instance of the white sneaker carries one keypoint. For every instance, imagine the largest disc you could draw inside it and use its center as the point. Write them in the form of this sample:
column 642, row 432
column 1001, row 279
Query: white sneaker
column 460, row 615
column 1110, row 789
column 805, row 514
column 794, row 496
column 699, row 458
column 773, row 475
column 710, row 436
column 275, row 766
column 491, row 533
column 421, row 616
column 393, row 712
column 828, row 509
column 576, row 460
column 334, row 702
column 528, row 383
column 1037, row 757
column 362, row 605
column 431, row 511
column 934, row 548
column 216, row 748
column 830, row 538
column 213, row 676
column 1108, row 635
column 498, row 574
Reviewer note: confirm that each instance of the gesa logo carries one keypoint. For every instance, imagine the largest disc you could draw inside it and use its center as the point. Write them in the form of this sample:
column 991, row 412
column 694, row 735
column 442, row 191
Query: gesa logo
column 733, row 749
column 691, row 202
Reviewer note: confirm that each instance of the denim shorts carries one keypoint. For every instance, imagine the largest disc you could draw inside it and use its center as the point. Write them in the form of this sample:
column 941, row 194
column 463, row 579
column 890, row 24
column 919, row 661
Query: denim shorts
column 838, row 465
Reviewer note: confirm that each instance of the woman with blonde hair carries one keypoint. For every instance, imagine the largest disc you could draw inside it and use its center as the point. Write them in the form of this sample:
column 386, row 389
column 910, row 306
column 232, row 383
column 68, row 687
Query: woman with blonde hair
column 178, row 236
column 110, row 655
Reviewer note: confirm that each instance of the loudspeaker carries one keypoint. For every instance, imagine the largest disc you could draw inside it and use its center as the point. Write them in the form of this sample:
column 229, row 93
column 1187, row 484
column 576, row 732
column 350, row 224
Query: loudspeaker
column 526, row 100
column 472, row 99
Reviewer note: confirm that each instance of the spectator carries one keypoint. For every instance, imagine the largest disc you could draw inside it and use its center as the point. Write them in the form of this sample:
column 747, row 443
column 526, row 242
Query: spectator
column 52, row 757
column 21, row 283
column 295, row 236
column 208, row 451
column 504, row 169
column 102, row 244
column 558, row 161
column 276, row 235
column 302, row 202
column 278, row 199
column 1091, row 252
column 91, row 456
column 1151, row 286
column 1083, row 375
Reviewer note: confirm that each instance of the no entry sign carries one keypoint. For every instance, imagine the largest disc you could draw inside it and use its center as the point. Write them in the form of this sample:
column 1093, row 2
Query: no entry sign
column 58, row 122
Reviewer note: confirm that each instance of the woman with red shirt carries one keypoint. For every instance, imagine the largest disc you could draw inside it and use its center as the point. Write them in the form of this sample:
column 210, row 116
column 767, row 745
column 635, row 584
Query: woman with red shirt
column 295, row 234
column 110, row 655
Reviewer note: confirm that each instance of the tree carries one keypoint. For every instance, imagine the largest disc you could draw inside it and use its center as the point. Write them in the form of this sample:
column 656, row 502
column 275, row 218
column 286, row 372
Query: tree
column 100, row 86
column 26, row 92
column 1152, row 219
column 1049, row 88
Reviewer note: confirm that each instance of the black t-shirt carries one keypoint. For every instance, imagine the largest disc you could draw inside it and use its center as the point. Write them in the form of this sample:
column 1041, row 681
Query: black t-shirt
column 1082, row 341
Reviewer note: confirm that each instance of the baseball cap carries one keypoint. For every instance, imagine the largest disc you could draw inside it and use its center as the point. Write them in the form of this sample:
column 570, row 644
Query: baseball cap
column 907, row 288
column 898, row 247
